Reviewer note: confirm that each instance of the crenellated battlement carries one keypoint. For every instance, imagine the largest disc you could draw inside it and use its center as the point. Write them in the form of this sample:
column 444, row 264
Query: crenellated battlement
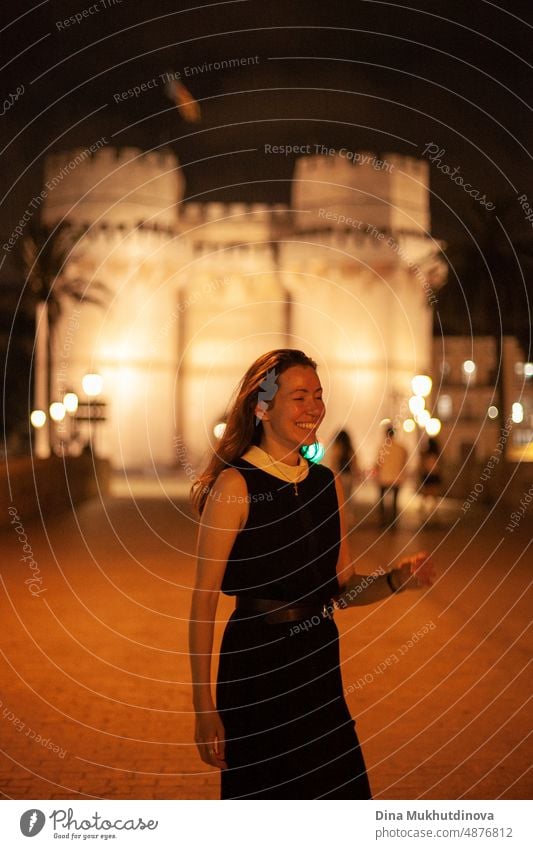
column 388, row 191
column 116, row 231
column 345, row 161
column 233, row 223
column 348, row 203
column 120, row 185
column 107, row 159
column 213, row 211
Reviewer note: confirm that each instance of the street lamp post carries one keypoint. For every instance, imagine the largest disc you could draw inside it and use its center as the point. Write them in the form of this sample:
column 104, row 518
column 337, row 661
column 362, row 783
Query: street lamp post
column 92, row 410
column 57, row 415
column 73, row 411
column 70, row 402
column 421, row 384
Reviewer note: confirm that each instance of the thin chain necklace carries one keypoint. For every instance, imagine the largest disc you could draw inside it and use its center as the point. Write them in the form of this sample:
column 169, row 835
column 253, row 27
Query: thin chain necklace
column 294, row 482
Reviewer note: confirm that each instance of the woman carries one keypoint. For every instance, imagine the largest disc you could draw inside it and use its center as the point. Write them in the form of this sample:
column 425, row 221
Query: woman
column 343, row 462
column 272, row 535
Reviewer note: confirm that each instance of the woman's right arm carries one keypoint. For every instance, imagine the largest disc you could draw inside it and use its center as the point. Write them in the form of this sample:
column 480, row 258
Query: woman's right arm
column 224, row 514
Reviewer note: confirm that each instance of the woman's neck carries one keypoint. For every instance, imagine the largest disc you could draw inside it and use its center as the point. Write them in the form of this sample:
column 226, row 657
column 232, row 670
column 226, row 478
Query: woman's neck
column 280, row 453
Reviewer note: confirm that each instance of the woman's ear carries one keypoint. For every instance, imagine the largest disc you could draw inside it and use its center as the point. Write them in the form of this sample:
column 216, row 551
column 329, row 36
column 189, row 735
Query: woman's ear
column 261, row 411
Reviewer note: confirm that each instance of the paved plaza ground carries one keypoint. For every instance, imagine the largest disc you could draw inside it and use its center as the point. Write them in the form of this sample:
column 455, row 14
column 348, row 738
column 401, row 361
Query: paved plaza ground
column 95, row 694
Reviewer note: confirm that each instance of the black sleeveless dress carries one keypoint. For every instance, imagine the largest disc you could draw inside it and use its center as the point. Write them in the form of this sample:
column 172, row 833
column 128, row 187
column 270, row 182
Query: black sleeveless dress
column 289, row 734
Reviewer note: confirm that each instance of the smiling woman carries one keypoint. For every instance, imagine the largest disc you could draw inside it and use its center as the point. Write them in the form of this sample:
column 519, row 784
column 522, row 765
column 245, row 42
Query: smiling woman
column 272, row 535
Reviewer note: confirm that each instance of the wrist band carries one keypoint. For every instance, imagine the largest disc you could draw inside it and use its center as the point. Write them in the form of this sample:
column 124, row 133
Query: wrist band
column 391, row 585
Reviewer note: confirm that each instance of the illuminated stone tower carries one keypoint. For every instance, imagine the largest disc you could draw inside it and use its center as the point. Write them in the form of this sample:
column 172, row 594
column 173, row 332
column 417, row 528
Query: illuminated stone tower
column 199, row 290
column 127, row 201
column 362, row 270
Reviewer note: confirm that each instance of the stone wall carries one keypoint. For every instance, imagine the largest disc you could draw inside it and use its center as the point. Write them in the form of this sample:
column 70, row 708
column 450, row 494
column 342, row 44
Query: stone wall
column 49, row 486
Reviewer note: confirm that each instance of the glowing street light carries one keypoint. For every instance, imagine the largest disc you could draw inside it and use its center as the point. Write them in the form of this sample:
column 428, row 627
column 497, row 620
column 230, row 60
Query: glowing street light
column 57, row 411
column 517, row 412
column 421, row 385
column 70, row 402
column 219, row 429
column 38, row 418
column 423, row 418
column 416, row 404
column 469, row 367
column 433, row 427
column 92, row 410
column 92, row 384
column 492, row 412
column 409, row 425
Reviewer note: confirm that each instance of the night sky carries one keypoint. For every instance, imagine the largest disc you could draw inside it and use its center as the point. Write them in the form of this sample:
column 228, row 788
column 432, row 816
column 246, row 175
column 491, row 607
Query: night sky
column 363, row 74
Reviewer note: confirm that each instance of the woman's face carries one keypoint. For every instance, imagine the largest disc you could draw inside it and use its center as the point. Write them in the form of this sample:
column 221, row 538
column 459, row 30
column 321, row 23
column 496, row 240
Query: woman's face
column 298, row 408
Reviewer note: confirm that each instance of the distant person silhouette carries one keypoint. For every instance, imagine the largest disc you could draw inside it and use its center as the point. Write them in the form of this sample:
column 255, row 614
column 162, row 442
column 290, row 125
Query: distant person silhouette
column 430, row 478
column 389, row 469
column 342, row 461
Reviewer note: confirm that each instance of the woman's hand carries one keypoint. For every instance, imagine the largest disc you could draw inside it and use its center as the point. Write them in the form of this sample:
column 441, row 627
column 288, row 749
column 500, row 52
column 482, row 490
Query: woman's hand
column 414, row 572
column 209, row 737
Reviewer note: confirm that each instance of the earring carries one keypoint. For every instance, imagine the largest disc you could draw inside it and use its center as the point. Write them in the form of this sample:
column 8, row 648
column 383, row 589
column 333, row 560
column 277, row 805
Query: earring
column 260, row 411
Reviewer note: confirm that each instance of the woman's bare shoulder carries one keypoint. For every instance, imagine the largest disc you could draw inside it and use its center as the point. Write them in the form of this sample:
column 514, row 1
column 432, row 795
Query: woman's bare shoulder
column 225, row 506
column 231, row 482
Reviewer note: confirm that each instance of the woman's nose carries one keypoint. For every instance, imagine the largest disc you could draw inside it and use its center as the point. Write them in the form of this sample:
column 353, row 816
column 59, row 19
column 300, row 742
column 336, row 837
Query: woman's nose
column 316, row 407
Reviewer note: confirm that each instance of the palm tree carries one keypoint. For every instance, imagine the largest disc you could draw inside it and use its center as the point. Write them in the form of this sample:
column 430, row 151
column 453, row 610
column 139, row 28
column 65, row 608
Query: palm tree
column 16, row 347
column 45, row 254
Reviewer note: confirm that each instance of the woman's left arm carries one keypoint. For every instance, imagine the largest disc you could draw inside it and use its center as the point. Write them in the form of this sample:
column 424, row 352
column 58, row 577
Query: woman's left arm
column 345, row 569
column 411, row 572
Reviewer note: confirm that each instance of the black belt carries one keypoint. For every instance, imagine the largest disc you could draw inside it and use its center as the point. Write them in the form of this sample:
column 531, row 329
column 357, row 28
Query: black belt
column 276, row 611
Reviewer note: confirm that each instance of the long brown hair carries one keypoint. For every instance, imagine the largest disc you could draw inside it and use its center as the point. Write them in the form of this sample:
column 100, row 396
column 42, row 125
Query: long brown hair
column 242, row 429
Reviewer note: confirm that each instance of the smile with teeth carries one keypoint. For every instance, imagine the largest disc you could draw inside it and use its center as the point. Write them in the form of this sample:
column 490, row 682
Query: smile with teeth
column 306, row 425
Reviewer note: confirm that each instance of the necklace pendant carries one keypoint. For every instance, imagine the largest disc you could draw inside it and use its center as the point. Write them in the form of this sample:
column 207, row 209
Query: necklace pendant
column 296, row 489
